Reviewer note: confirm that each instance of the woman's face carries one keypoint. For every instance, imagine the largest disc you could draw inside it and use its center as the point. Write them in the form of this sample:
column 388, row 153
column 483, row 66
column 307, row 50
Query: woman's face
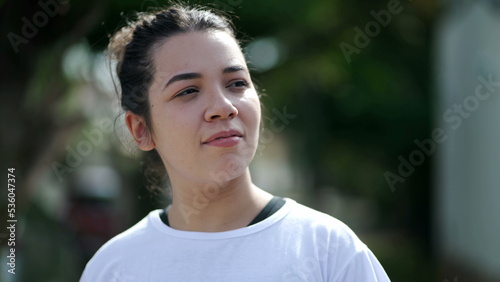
column 205, row 112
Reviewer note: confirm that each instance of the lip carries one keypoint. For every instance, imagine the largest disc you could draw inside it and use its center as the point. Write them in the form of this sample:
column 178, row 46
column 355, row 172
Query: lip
column 227, row 138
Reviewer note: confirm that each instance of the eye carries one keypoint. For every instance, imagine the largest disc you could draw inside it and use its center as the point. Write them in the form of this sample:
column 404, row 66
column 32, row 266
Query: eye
column 238, row 84
column 186, row 92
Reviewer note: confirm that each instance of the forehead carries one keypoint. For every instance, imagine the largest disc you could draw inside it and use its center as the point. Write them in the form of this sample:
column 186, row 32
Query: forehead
column 197, row 51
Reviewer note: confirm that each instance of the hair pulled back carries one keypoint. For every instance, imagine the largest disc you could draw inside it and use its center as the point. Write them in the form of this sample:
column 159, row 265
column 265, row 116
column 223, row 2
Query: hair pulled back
column 132, row 48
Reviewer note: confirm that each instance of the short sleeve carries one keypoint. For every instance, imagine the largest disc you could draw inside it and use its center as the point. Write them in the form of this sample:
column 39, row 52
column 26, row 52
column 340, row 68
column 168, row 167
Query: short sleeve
column 362, row 267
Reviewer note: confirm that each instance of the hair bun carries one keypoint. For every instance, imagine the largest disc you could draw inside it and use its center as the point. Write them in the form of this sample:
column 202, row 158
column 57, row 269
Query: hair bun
column 119, row 41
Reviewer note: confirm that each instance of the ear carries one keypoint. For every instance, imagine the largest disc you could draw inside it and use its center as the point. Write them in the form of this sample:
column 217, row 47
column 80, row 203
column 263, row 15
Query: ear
column 139, row 130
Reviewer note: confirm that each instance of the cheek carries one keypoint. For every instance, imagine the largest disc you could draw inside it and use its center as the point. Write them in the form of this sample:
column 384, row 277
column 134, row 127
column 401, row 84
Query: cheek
column 171, row 128
column 250, row 113
column 255, row 110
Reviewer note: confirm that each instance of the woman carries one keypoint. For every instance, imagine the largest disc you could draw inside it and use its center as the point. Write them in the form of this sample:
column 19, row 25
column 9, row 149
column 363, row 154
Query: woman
column 189, row 97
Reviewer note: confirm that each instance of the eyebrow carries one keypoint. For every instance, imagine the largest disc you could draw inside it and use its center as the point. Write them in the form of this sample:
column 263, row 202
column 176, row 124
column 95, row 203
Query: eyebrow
column 234, row 69
column 194, row 75
column 183, row 76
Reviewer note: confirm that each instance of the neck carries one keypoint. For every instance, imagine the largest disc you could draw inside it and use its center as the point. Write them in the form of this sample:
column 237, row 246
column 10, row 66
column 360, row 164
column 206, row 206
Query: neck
column 215, row 208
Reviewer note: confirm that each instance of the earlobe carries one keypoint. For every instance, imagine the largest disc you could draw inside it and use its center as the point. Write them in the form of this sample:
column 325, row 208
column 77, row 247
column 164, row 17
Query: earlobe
column 140, row 131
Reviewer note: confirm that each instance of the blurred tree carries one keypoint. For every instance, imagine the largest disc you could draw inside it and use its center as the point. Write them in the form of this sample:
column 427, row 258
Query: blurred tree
column 34, row 90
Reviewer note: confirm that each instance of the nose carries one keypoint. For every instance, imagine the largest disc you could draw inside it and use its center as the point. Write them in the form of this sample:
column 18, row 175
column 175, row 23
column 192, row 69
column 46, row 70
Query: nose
column 220, row 107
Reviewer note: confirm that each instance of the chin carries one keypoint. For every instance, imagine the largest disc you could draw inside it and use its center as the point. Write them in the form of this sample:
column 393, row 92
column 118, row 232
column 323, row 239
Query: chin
column 229, row 167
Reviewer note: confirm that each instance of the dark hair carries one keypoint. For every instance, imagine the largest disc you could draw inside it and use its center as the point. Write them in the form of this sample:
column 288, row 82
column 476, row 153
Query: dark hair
column 133, row 46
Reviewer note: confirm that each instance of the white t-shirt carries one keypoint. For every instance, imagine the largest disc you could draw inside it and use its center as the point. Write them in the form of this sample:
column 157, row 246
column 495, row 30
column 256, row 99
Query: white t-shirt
column 295, row 243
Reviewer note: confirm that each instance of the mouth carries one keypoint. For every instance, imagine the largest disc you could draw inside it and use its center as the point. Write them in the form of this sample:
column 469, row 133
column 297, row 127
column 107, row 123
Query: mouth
column 224, row 138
